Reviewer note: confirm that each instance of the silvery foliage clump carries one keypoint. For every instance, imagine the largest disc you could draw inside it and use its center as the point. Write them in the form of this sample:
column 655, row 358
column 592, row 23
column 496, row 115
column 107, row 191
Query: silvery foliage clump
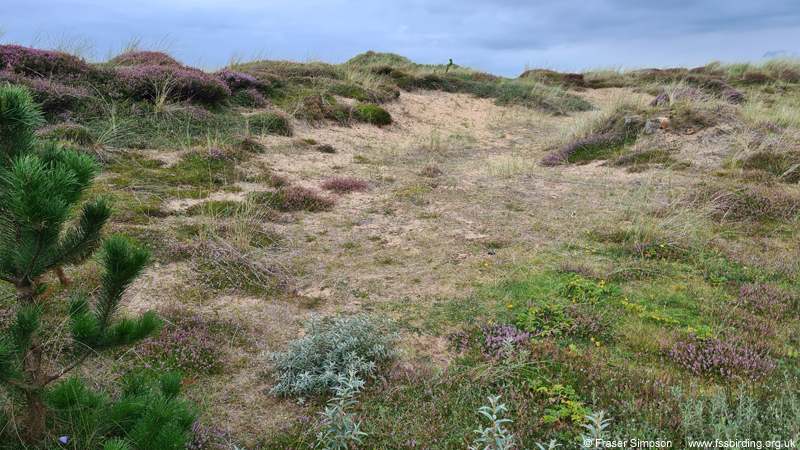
column 597, row 431
column 331, row 349
column 339, row 428
column 551, row 446
column 494, row 437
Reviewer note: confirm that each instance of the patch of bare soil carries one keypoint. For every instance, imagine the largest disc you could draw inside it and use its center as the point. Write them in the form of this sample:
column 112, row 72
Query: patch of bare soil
column 169, row 158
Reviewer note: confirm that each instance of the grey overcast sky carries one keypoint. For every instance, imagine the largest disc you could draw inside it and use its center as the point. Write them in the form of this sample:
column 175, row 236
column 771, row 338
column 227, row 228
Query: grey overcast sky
column 500, row 36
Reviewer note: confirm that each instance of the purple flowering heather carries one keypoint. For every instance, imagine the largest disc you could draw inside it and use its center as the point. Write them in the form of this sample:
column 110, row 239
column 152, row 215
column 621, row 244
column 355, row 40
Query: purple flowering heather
column 237, row 80
column 767, row 299
column 147, row 82
column 6, row 318
column 677, row 94
column 344, row 185
column 587, row 323
column 785, row 263
column 56, row 97
column 732, row 357
column 733, row 96
column 491, row 338
column 191, row 344
column 750, row 202
column 207, row 437
column 715, row 85
column 42, row 63
column 294, row 198
column 584, row 271
column 770, row 126
column 743, row 320
column 146, row 58
column 593, row 145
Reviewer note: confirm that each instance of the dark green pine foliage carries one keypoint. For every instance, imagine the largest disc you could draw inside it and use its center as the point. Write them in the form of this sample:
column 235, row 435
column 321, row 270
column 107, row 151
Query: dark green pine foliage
column 41, row 188
column 147, row 415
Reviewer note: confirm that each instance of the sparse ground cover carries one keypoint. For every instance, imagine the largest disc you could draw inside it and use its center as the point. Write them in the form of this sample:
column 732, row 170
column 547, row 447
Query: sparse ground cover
column 526, row 237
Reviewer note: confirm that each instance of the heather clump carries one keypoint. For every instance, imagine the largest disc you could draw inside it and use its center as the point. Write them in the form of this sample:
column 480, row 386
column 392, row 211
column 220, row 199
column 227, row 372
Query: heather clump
column 325, row 148
column 344, row 185
column 730, row 357
column 207, row 437
column 607, row 135
column 57, row 100
column 749, row 202
column 789, row 75
column 547, row 76
column 189, row 343
column 743, row 320
column 751, row 78
column 43, row 63
column 590, row 323
column 768, row 299
column 715, row 85
column 482, row 76
column 765, row 257
column 291, row 69
column 770, row 126
column 175, row 83
column 67, row 131
column 293, row 198
column 248, row 143
column 332, row 348
column 733, row 96
column 237, row 80
column 250, row 98
column 677, row 94
column 491, row 339
column 145, row 58
column 270, row 122
column 588, row 148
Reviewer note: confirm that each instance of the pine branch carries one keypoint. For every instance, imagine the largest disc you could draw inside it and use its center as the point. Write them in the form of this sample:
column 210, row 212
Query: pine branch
column 123, row 263
column 54, row 376
column 39, row 246
column 80, row 241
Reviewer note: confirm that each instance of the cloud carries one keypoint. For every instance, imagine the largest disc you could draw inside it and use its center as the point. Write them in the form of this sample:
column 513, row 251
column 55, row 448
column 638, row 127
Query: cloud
column 774, row 53
column 498, row 36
